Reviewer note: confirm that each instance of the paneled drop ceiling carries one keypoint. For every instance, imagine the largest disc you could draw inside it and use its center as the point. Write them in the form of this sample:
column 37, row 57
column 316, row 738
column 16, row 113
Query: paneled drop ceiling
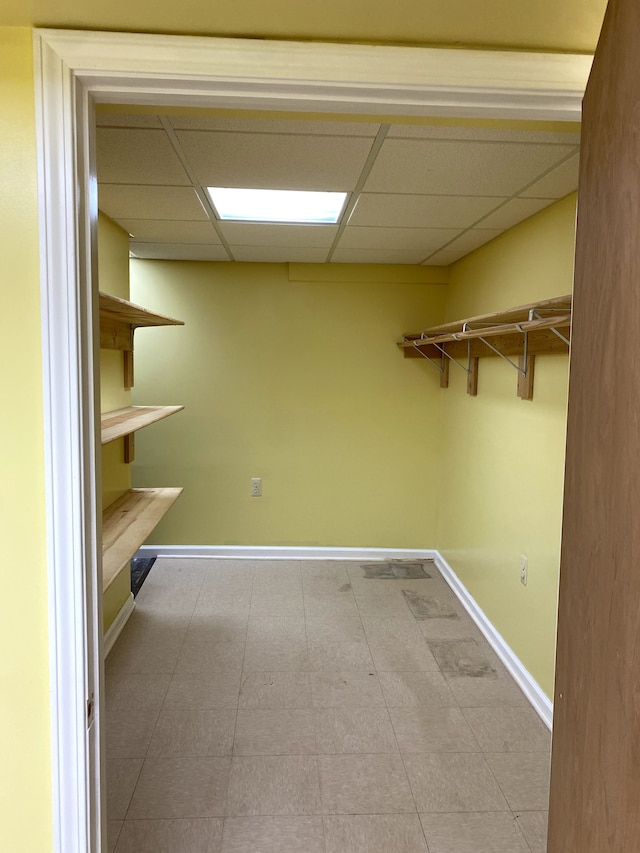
column 418, row 194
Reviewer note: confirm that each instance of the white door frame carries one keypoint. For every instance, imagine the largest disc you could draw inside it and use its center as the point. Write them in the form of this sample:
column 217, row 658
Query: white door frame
column 75, row 70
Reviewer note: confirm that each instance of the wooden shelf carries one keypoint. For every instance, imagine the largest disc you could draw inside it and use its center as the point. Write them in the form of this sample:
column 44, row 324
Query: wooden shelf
column 118, row 321
column 127, row 523
column 121, row 422
column 117, row 310
column 539, row 328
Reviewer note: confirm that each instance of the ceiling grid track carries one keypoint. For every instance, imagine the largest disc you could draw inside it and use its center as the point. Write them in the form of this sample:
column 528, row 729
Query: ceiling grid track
column 200, row 192
column 355, row 194
column 516, row 195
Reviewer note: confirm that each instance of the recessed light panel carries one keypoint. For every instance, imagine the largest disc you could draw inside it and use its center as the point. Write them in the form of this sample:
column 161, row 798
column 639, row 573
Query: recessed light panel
column 297, row 206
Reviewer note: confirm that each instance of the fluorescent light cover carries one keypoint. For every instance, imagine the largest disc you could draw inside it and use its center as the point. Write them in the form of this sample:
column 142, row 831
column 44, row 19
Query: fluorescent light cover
column 319, row 208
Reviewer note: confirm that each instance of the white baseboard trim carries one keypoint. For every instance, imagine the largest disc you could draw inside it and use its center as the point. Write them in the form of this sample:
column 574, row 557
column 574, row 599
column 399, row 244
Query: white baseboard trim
column 523, row 678
column 115, row 629
column 275, row 552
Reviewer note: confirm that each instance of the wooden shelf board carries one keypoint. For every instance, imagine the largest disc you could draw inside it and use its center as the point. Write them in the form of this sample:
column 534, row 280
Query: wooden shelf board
column 127, row 523
column 519, row 314
column 118, row 310
column 121, row 422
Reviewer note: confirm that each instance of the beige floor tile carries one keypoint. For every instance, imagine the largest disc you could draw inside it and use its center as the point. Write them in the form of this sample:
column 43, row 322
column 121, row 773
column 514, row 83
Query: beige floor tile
column 354, row 730
column 364, row 784
column 424, row 586
column 113, row 831
column 147, row 651
column 283, row 656
column 534, row 828
column 323, row 606
column 267, row 586
column 411, row 656
column 200, row 835
column 218, row 567
column 453, row 782
column 340, row 656
column 380, row 833
column 416, row 690
column 285, row 732
column 391, row 630
column 523, row 778
column 274, row 629
column 215, row 603
column 218, row 628
column 273, row 835
column 274, row 785
column 277, row 569
column 490, row 832
column 128, row 733
column 457, row 658
column 203, row 691
column 386, row 605
column 283, row 604
column 181, row 788
column 136, row 691
column 351, row 689
column 122, row 775
column 227, row 583
column 180, row 571
column 173, row 599
column 275, row 690
column 336, row 629
column 431, row 606
column 508, row 729
column 488, row 692
column 209, row 658
column 181, row 733
column 338, row 583
column 432, row 730
column 461, row 628
column 324, row 568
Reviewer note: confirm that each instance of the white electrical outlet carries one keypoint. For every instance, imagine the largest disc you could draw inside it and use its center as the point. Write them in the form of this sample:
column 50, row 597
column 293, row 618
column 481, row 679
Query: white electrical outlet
column 524, row 570
column 256, row 487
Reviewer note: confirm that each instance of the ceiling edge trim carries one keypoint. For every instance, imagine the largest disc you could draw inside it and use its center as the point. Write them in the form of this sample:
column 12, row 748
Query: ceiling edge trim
column 308, row 76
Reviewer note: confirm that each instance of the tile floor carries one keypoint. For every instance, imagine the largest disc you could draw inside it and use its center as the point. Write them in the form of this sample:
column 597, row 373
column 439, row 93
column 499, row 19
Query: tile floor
column 315, row 707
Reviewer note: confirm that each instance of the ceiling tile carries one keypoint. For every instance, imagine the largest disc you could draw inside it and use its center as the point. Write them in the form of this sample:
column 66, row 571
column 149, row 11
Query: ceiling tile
column 514, row 211
column 272, row 161
column 127, row 120
column 421, row 211
column 484, row 134
column 463, row 245
column 276, row 254
column 376, row 256
column 178, row 252
column 252, row 125
column 137, row 156
column 396, row 239
column 164, row 231
column 302, row 236
column 128, row 202
column 444, row 167
column 557, row 184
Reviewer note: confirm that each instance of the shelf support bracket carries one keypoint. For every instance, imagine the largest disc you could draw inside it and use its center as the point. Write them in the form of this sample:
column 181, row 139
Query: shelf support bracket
column 535, row 315
column 440, row 367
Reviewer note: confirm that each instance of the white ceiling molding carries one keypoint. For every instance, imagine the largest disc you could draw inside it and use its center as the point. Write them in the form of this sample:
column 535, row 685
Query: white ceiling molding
column 338, row 78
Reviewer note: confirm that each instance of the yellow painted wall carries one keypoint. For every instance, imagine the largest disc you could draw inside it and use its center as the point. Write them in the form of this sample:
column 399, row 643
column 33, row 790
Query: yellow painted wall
column 571, row 25
column 503, row 458
column 25, row 777
column 297, row 382
column 113, row 278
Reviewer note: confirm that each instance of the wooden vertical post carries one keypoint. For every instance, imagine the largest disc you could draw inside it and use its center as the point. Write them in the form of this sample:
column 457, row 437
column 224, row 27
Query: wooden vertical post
column 128, row 368
column 472, row 377
column 444, row 376
column 129, row 448
column 525, row 383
